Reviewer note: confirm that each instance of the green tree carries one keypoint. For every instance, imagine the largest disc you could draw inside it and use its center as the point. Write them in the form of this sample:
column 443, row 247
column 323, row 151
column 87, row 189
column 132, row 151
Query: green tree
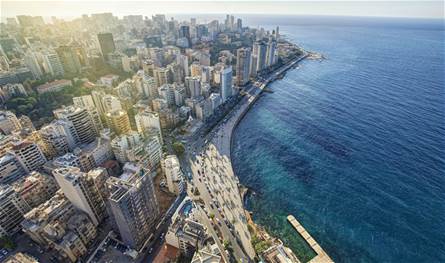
column 7, row 242
column 178, row 147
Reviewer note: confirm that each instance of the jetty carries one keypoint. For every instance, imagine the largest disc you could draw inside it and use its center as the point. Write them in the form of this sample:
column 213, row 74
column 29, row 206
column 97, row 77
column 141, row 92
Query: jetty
column 321, row 256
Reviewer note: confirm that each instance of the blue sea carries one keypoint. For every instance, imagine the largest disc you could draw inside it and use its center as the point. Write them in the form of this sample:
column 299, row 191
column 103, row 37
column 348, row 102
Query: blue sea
column 353, row 146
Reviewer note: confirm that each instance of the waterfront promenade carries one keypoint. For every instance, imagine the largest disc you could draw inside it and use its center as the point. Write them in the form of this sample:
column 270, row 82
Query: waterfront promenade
column 321, row 256
column 214, row 177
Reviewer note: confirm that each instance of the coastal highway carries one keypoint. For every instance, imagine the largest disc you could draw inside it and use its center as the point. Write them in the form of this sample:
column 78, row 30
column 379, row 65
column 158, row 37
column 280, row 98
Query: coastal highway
column 211, row 169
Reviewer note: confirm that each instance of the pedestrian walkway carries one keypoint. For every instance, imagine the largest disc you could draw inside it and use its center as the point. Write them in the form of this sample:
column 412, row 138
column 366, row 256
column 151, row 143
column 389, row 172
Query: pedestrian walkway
column 321, row 256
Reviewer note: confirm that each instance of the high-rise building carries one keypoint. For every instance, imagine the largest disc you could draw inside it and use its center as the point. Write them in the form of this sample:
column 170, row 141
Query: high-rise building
column 239, row 24
column 193, row 86
column 134, row 205
column 57, row 137
column 106, row 43
column 149, row 87
column 226, row 83
column 184, row 32
column 84, row 131
column 183, row 62
column 70, row 60
column 58, row 225
column 173, row 173
column 36, row 188
column 52, row 64
column 206, row 74
column 81, row 191
column 215, row 100
column 148, row 122
column 196, row 69
column 271, row 49
column 242, row 66
column 162, row 76
column 86, row 102
column 12, row 209
column 29, row 155
column 122, row 144
column 167, row 92
column 33, row 65
column 11, row 170
column 179, row 95
column 118, row 121
column 258, row 57
column 110, row 103
column 8, row 122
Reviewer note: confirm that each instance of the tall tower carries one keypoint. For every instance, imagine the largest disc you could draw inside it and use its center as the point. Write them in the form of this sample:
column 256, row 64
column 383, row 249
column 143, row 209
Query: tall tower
column 52, row 64
column 260, row 52
column 242, row 66
column 118, row 121
column 271, row 49
column 106, row 43
column 82, row 123
column 226, row 83
column 87, row 102
column 147, row 123
column 69, row 59
column 29, row 154
column 82, row 192
column 133, row 204
column 9, row 122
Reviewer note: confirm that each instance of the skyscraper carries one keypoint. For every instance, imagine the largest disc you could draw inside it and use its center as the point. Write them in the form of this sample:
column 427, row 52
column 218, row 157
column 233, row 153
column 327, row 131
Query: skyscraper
column 193, row 86
column 81, row 191
column 226, row 83
column 258, row 57
column 87, row 102
column 118, row 121
column 84, row 131
column 52, row 64
column 57, row 137
column 33, row 65
column 12, row 209
column 133, row 204
column 184, row 32
column 70, row 60
column 147, row 123
column 29, row 154
column 271, row 49
column 106, row 43
column 242, row 66
column 8, row 122
column 11, row 169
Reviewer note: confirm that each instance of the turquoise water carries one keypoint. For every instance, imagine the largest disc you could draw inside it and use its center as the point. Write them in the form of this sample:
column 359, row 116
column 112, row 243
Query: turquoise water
column 353, row 146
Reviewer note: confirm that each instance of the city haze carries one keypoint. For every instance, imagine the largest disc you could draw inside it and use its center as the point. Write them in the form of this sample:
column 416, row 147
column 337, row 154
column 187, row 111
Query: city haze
column 71, row 9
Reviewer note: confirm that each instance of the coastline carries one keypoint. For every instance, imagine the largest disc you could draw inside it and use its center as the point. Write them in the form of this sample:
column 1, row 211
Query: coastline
column 244, row 190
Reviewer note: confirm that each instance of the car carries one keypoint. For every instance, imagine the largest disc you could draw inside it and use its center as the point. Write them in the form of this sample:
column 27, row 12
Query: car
column 4, row 252
column 150, row 250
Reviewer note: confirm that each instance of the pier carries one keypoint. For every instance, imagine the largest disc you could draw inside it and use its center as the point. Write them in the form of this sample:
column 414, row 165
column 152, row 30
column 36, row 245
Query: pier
column 321, row 256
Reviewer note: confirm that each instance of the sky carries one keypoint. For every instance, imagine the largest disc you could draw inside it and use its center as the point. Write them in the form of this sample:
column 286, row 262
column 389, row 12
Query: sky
column 71, row 8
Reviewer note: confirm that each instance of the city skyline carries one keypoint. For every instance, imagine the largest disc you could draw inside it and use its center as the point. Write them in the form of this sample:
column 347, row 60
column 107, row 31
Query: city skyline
column 217, row 132
column 70, row 9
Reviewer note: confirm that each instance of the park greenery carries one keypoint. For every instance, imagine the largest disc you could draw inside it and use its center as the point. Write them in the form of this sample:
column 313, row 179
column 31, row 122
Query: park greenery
column 39, row 107
column 6, row 242
column 259, row 245
column 178, row 147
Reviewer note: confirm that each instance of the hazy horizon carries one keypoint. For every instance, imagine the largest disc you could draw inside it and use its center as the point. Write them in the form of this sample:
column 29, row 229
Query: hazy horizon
column 70, row 9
